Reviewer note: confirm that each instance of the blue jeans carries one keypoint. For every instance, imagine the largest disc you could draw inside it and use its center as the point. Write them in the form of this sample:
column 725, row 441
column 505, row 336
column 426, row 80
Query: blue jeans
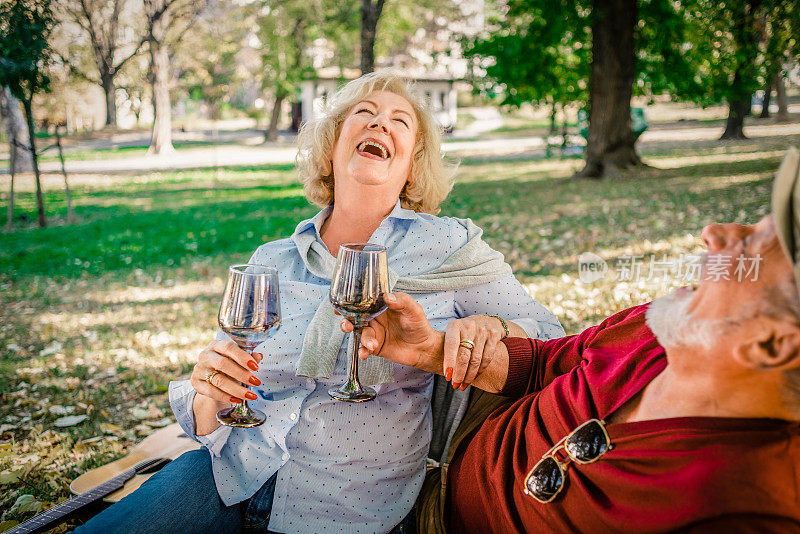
column 182, row 497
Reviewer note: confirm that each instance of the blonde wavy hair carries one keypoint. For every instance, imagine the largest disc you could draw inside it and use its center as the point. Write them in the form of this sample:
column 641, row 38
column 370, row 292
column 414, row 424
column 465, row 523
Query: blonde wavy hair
column 430, row 177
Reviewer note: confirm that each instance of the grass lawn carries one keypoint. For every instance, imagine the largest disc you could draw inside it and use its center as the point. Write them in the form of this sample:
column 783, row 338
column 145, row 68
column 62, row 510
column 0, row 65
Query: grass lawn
column 96, row 317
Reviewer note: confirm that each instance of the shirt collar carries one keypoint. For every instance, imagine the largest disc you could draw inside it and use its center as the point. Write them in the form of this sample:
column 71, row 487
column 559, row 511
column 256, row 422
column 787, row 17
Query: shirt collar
column 315, row 222
column 313, row 251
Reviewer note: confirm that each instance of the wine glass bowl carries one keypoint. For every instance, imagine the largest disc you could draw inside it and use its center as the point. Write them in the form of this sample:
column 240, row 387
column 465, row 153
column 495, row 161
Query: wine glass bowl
column 250, row 313
column 359, row 282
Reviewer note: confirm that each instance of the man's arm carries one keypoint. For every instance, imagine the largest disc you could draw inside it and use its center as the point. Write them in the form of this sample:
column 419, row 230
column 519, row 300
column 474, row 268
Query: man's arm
column 403, row 335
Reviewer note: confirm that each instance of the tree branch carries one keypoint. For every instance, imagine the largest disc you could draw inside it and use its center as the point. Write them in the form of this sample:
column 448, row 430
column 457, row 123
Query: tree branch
column 75, row 70
column 135, row 52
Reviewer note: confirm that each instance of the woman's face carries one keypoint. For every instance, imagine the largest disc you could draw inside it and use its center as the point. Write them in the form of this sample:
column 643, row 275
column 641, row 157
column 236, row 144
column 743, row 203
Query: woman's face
column 375, row 146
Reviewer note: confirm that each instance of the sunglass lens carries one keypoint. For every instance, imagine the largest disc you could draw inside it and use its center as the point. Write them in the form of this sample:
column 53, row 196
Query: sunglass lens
column 587, row 443
column 545, row 480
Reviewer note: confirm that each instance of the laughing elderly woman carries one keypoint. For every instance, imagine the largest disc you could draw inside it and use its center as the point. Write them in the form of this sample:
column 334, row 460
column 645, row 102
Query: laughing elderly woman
column 372, row 162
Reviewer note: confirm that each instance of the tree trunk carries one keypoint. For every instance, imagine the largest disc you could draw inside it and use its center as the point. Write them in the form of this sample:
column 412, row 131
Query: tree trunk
column 297, row 116
column 10, row 221
column 32, row 136
column 610, row 144
column 272, row 130
column 780, row 96
column 766, row 100
column 161, row 142
column 70, row 211
column 734, row 127
column 110, row 89
column 740, row 97
column 370, row 13
column 16, row 130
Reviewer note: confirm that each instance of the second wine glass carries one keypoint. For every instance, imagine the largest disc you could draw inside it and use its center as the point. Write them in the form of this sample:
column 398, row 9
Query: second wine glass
column 359, row 282
column 250, row 313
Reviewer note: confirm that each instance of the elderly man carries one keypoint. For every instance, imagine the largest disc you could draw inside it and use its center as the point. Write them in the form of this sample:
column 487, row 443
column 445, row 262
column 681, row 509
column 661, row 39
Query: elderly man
column 678, row 415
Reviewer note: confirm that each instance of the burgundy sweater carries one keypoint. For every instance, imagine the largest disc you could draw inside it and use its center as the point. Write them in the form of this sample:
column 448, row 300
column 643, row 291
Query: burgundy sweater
column 700, row 474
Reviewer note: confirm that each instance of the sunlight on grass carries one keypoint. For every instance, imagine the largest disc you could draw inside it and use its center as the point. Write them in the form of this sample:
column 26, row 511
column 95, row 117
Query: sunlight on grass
column 674, row 162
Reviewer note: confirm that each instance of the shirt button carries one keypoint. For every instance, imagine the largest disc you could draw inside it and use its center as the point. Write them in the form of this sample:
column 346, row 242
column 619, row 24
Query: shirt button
column 285, row 457
column 310, row 382
column 293, row 416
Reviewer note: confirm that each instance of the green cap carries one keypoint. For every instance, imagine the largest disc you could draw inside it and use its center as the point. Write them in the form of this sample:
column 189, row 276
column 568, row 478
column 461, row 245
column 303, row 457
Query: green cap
column 786, row 208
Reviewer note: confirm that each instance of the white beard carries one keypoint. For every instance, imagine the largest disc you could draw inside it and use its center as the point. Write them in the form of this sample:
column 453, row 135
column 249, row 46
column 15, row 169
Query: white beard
column 669, row 319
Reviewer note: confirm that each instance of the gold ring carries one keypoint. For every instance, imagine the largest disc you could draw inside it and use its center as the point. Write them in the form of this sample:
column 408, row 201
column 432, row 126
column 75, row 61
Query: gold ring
column 467, row 344
column 210, row 375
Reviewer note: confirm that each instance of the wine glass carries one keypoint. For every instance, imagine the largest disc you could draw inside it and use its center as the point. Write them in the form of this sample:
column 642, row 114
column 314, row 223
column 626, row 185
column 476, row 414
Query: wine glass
column 250, row 313
column 359, row 282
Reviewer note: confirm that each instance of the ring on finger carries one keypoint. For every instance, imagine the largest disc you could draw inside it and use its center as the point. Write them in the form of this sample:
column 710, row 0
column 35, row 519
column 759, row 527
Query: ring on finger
column 210, row 375
column 467, row 344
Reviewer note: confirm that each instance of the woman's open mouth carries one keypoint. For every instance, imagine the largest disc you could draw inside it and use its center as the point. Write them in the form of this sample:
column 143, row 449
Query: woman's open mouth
column 373, row 149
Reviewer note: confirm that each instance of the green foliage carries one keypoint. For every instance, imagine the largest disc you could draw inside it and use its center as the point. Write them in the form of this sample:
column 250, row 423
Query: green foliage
column 666, row 57
column 25, row 27
column 403, row 21
column 285, row 30
column 726, row 45
column 221, row 32
column 538, row 51
column 704, row 51
column 342, row 29
column 781, row 30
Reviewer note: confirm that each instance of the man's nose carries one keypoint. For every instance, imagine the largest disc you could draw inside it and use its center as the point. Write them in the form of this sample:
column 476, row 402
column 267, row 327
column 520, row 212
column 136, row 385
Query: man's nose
column 718, row 236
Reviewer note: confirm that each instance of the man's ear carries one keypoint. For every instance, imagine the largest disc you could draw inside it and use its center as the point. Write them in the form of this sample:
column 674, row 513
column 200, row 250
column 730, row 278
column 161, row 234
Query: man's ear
column 774, row 346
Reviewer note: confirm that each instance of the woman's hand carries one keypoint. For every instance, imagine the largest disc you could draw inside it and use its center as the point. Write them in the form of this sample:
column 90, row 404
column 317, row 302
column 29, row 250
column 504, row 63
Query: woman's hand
column 462, row 364
column 228, row 367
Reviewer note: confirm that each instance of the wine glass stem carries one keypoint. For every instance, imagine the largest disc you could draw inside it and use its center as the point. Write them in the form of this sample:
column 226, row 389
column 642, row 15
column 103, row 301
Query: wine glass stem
column 242, row 409
column 352, row 372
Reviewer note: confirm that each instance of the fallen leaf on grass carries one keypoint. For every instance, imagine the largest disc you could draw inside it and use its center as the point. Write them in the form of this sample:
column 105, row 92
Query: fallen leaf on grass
column 25, row 503
column 151, row 413
column 52, row 348
column 110, row 428
column 142, row 430
column 58, row 409
column 160, row 423
column 70, row 420
column 11, row 476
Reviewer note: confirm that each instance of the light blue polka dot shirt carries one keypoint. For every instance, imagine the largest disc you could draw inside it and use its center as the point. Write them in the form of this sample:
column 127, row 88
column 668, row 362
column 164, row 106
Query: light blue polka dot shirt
column 346, row 467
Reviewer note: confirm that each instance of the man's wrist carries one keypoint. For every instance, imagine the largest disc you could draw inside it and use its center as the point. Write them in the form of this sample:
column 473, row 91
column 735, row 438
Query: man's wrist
column 432, row 357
